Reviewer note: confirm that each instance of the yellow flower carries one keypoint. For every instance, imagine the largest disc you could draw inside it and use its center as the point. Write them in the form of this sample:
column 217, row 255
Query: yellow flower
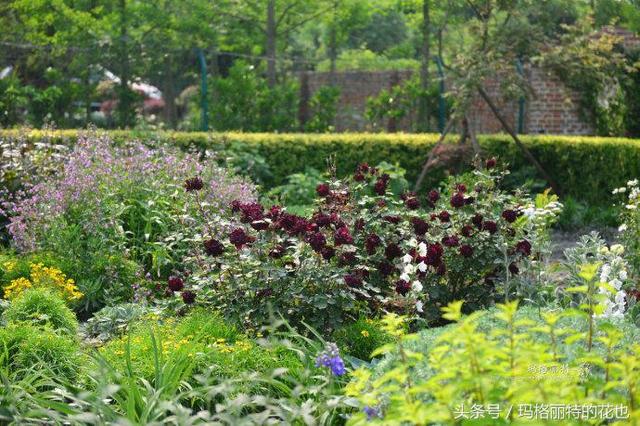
column 9, row 265
column 44, row 277
column 365, row 333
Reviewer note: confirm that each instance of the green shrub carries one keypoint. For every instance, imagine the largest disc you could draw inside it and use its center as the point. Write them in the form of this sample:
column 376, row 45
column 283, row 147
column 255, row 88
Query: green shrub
column 361, row 338
column 111, row 321
column 24, row 347
column 202, row 336
column 585, row 167
column 41, row 307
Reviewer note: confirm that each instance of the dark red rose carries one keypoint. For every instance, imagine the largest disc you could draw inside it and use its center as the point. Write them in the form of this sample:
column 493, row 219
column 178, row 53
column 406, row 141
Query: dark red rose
column 358, row 177
column 442, row 269
column 450, row 241
column 635, row 293
column 251, row 212
column 467, row 230
column 193, row 184
column 524, row 247
column 433, row 196
column 372, row 243
column 293, row 224
column 385, row 268
column 469, row 200
column 444, row 216
column 342, row 236
column 327, row 252
column 381, row 203
column 412, row 203
column 323, row 189
column 353, row 280
column 477, row 220
column 213, row 247
column 274, row 213
column 239, row 238
column 277, row 251
column 420, row 226
column 510, row 215
column 490, row 163
column 513, row 268
column 362, row 168
column 434, row 254
column 380, row 186
column 392, row 251
column 188, row 297
column 260, row 225
column 392, row 219
column 347, row 258
column 264, row 292
column 317, row 241
column 322, row 219
column 175, row 283
column 235, row 206
column 489, row 226
column 461, row 187
column 359, row 225
column 457, row 200
column 402, row 287
column 466, row 250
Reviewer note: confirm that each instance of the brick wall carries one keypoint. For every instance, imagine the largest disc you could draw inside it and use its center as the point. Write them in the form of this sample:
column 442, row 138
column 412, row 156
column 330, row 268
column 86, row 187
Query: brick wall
column 552, row 108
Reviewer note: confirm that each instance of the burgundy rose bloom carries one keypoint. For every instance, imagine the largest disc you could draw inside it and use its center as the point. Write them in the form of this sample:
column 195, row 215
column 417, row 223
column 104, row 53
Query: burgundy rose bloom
column 293, row 224
column 635, row 293
column 510, row 215
column 260, row 225
column 372, row 243
column 251, row 212
column 358, row 177
column 359, row 225
column 461, row 187
column 353, row 280
column 490, row 226
column 235, row 206
column 264, row 292
column 524, row 247
column 277, row 252
column 513, row 268
column 392, row 251
column 412, row 203
column 385, row 268
column 317, row 241
column 467, row 230
column 442, row 269
column 175, row 283
column 477, row 220
column 193, row 184
column 347, row 258
column 466, row 250
column 490, row 163
column 469, row 200
column 213, row 247
column 381, row 203
column 188, row 297
column 402, row 287
column 322, row 219
column 239, row 238
column 363, row 168
column 444, row 216
column 274, row 213
column 392, row 219
column 433, row 196
column 420, row 226
column 342, row 236
column 327, row 252
column 380, row 186
column 434, row 254
column 457, row 200
column 450, row 241
column 323, row 189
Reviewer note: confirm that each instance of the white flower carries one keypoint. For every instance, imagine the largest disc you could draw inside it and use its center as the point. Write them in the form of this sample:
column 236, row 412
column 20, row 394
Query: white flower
column 416, row 286
column 409, row 269
column 405, row 277
column 604, row 272
column 617, row 249
column 631, row 206
column 622, row 227
column 616, row 283
column 419, row 306
column 422, row 267
column 422, row 249
column 633, row 182
column 622, row 275
column 407, row 258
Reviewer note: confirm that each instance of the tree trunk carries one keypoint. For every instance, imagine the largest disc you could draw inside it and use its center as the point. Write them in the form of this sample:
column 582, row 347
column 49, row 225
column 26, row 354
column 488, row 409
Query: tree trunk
column 271, row 43
column 423, row 100
column 523, row 148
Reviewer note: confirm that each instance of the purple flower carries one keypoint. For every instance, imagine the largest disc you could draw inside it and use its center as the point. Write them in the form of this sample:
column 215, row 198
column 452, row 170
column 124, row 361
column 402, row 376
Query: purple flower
column 433, row 196
column 392, row 251
column 466, row 250
column 444, row 216
column 450, row 241
column 317, row 241
column 524, row 247
column 213, row 247
column 353, row 280
column 372, row 243
column 330, row 358
column 372, row 412
column 477, row 220
column 239, row 238
column 489, row 226
column 402, row 287
column 490, row 163
column 510, row 215
column 347, row 258
column 188, row 297
column 327, row 252
column 342, row 236
column 380, row 186
column 467, row 230
column 385, row 268
column 175, row 283
column 420, row 226
column 277, row 252
column 457, row 200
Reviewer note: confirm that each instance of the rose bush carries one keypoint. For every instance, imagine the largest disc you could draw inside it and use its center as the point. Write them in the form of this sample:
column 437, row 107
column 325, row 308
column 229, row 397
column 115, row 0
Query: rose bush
column 365, row 251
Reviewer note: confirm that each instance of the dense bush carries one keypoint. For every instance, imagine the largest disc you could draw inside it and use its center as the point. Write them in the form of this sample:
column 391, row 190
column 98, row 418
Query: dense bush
column 116, row 207
column 361, row 338
column 511, row 359
column 583, row 166
column 44, row 308
column 24, row 347
column 111, row 321
column 365, row 250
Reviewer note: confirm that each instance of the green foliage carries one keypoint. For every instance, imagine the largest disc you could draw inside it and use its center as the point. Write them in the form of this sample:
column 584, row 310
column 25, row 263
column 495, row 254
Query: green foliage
column 24, row 347
column 361, row 338
column 299, row 190
column 514, row 357
column 585, row 167
column 41, row 307
column 323, row 107
column 112, row 321
column 243, row 101
column 13, row 98
column 202, row 336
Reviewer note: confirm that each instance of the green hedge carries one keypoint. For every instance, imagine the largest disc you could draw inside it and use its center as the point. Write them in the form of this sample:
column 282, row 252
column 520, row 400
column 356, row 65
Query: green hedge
column 584, row 167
